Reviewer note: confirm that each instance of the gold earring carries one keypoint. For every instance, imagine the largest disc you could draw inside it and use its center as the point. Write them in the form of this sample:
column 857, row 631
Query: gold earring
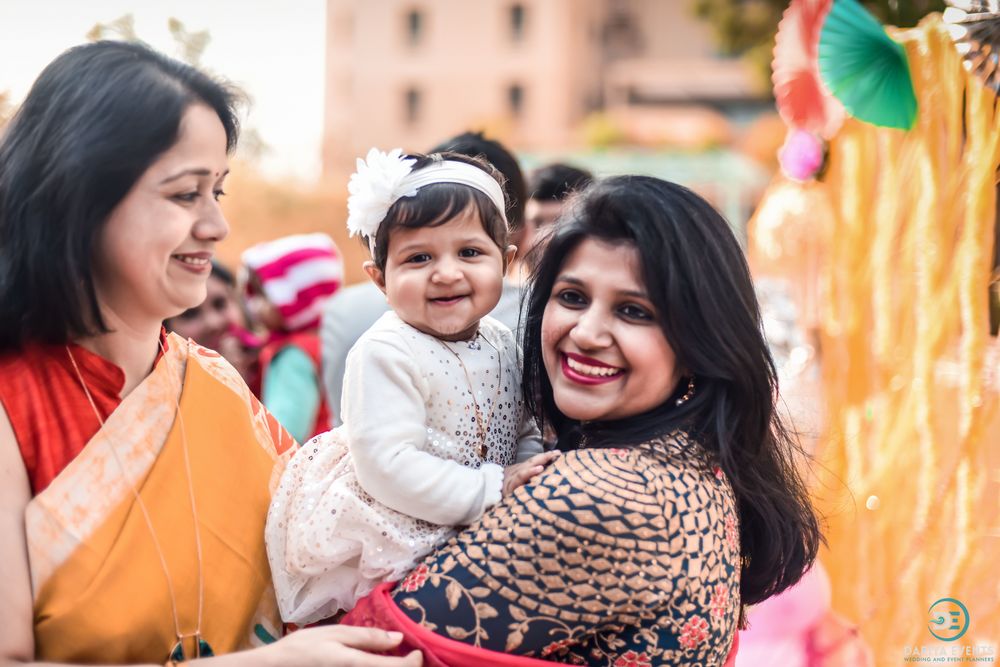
column 688, row 394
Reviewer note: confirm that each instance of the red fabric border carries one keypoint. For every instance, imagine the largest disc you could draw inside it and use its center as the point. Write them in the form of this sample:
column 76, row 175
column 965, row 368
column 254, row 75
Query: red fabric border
column 379, row 610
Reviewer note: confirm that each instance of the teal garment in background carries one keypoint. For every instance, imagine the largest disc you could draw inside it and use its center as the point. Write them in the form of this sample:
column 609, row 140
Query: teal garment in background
column 291, row 392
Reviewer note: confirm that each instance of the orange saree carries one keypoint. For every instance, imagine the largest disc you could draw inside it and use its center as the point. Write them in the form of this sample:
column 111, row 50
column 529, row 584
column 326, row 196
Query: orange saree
column 100, row 589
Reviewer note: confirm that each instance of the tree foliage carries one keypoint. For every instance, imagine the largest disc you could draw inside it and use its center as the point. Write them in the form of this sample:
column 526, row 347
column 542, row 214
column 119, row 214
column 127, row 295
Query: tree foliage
column 122, row 28
column 190, row 44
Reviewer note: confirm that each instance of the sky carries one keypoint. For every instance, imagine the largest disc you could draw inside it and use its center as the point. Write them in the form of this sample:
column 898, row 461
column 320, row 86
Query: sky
column 273, row 50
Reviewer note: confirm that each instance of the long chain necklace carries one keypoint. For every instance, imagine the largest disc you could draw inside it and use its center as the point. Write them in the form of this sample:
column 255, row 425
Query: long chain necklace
column 201, row 647
column 482, row 425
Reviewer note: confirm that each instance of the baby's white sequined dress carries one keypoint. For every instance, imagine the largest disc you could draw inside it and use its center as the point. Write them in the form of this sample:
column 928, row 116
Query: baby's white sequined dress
column 363, row 503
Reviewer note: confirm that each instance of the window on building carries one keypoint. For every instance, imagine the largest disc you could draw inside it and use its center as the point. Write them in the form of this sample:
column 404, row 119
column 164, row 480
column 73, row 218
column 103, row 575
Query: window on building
column 515, row 100
column 621, row 33
column 343, row 27
column 414, row 26
column 517, row 21
column 412, row 104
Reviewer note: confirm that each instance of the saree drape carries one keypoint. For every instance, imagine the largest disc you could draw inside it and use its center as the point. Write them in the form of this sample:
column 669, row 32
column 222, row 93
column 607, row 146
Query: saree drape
column 100, row 590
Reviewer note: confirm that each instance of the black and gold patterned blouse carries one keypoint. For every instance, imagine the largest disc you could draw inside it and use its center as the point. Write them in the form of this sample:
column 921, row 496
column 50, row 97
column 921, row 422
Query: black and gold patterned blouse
column 624, row 558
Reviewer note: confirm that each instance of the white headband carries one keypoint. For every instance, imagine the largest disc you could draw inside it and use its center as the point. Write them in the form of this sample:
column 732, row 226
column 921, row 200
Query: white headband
column 384, row 178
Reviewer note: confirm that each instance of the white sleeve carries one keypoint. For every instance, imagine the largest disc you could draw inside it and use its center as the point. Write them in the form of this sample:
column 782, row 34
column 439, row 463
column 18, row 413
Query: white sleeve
column 386, row 419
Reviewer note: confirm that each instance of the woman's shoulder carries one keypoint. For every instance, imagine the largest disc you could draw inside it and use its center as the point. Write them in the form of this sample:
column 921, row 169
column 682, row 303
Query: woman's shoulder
column 15, row 372
column 635, row 484
column 27, row 360
column 673, row 455
column 37, row 375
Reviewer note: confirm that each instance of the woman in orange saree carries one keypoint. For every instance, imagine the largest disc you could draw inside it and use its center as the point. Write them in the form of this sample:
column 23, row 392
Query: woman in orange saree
column 136, row 468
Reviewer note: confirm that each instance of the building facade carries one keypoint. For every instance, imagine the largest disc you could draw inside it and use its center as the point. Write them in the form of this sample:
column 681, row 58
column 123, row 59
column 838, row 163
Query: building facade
column 410, row 73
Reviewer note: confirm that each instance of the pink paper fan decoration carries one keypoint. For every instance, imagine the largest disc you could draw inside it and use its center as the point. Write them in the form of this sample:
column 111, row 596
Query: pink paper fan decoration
column 800, row 96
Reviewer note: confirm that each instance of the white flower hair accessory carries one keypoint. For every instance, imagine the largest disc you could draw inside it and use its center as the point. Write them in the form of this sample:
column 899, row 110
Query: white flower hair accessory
column 374, row 187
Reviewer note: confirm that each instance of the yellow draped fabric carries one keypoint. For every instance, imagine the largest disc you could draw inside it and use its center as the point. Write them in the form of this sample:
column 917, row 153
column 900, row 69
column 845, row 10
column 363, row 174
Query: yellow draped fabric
column 101, row 594
column 910, row 372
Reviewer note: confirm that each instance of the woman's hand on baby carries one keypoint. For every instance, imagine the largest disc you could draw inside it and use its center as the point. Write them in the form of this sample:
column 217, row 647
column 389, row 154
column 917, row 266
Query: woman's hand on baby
column 519, row 473
column 339, row 646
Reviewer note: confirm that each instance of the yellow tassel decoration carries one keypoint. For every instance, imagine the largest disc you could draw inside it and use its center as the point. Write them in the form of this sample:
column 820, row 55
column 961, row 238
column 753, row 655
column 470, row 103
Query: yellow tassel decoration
column 910, row 371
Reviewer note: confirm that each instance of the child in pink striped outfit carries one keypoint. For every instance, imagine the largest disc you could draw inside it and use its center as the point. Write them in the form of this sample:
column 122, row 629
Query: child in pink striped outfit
column 287, row 281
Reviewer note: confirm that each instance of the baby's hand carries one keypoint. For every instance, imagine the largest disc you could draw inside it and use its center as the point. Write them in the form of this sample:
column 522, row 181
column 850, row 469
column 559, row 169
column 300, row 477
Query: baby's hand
column 519, row 473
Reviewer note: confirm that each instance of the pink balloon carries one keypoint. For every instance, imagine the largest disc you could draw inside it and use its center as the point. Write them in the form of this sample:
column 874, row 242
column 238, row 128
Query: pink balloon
column 802, row 155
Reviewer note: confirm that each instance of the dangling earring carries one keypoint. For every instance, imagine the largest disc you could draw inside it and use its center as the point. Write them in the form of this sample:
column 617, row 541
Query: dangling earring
column 687, row 394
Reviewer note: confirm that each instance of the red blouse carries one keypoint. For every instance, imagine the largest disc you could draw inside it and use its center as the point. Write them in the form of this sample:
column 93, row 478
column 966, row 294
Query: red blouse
column 48, row 409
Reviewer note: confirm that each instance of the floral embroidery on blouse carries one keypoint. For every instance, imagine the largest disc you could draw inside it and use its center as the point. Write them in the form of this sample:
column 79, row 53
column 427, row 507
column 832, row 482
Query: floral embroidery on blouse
column 720, row 601
column 695, row 632
column 633, row 659
column 619, row 558
column 732, row 533
column 415, row 579
column 556, row 647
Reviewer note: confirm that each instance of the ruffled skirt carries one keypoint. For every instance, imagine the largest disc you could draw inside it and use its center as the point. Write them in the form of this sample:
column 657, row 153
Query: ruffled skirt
column 329, row 542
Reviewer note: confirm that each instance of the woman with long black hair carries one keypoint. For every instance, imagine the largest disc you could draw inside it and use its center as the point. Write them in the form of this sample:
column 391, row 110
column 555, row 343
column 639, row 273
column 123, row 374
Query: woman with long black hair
column 676, row 501
column 135, row 465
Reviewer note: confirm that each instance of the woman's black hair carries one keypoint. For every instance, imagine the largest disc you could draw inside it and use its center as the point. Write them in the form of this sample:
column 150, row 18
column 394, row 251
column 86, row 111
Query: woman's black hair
column 699, row 283
column 97, row 117
column 438, row 203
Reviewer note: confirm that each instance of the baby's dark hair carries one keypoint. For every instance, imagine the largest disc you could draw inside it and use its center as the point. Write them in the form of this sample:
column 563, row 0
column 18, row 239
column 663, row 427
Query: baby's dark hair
column 438, row 203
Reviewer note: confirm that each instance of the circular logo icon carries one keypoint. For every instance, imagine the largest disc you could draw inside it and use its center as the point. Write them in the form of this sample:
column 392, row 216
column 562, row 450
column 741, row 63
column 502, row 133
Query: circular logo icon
column 949, row 619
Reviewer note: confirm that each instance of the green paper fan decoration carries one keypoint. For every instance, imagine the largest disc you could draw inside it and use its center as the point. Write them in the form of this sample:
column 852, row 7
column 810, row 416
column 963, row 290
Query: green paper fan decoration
column 866, row 69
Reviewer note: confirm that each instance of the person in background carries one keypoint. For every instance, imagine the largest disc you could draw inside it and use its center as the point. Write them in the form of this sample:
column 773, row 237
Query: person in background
column 219, row 323
column 208, row 322
column 549, row 187
column 354, row 309
column 241, row 348
column 287, row 282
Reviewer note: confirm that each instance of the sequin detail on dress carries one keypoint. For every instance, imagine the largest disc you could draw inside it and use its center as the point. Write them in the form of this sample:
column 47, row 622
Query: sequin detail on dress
column 363, row 503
